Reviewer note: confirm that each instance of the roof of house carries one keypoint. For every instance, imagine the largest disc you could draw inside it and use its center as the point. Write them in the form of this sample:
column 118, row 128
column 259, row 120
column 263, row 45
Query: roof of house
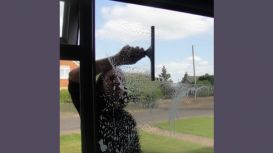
column 190, row 79
column 77, row 63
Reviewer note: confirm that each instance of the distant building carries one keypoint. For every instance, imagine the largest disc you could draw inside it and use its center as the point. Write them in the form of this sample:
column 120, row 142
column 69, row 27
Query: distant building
column 65, row 68
column 188, row 79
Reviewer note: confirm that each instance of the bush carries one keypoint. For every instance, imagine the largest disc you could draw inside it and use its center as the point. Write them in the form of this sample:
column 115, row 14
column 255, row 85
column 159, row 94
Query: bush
column 209, row 78
column 205, row 91
column 167, row 89
column 65, row 96
column 142, row 90
column 204, row 82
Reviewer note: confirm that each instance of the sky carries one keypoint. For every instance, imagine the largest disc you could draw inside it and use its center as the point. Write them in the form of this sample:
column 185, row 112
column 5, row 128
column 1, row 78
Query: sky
column 119, row 24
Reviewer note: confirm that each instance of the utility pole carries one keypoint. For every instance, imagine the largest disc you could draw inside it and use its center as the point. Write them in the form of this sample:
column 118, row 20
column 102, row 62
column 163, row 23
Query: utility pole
column 193, row 65
column 195, row 87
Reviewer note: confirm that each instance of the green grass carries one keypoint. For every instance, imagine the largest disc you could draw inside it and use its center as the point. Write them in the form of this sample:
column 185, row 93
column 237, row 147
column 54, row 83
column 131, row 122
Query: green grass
column 201, row 126
column 65, row 96
column 159, row 144
column 149, row 144
column 70, row 143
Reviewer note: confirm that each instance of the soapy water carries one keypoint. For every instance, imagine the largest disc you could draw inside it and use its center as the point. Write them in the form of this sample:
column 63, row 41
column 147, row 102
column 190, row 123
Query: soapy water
column 141, row 91
column 117, row 128
column 181, row 93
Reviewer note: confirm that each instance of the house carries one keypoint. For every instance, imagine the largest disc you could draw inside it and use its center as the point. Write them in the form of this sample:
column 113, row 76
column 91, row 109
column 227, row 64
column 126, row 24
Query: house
column 189, row 79
column 65, row 68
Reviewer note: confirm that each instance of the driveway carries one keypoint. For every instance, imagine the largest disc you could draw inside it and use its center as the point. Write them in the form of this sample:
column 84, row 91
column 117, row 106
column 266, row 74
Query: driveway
column 70, row 121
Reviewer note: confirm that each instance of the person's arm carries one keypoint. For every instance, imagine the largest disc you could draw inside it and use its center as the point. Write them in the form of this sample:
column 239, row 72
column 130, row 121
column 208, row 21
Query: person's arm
column 127, row 55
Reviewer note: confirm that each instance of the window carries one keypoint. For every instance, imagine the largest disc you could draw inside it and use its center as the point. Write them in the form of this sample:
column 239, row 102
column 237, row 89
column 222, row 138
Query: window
column 61, row 17
column 64, row 71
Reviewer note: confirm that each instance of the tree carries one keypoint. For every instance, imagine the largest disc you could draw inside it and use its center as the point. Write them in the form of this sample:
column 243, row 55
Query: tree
column 185, row 77
column 164, row 75
column 166, row 84
column 209, row 78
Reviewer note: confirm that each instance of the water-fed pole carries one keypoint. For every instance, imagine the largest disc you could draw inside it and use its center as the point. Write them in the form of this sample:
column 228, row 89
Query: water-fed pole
column 150, row 52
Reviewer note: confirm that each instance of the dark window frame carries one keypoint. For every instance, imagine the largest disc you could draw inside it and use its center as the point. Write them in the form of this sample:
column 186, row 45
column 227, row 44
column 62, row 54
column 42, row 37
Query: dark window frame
column 70, row 22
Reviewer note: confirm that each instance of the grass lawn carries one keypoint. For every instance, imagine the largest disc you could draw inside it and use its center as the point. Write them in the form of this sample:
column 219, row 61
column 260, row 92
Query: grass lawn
column 201, row 126
column 70, row 143
column 159, row 144
column 149, row 143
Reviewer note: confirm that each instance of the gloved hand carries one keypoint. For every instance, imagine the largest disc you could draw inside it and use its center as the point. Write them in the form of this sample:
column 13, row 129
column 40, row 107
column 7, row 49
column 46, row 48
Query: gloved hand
column 129, row 55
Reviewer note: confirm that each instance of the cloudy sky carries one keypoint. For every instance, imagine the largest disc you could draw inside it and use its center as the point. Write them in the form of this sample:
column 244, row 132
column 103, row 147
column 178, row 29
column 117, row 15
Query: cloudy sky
column 118, row 24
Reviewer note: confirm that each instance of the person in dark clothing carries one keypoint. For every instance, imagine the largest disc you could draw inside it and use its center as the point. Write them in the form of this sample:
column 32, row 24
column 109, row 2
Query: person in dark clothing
column 117, row 131
column 127, row 55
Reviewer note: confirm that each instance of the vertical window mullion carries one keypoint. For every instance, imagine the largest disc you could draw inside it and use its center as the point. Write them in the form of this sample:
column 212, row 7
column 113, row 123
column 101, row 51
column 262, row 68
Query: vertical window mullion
column 87, row 76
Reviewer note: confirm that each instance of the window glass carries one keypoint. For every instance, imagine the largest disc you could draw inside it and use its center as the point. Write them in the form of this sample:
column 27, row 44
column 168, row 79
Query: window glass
column 169, row 113
column 69, row 117
column 64, row 71
column 61, row 17
column 174, row 113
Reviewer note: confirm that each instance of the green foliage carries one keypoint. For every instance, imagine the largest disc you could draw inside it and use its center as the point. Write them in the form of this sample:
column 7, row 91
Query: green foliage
column 65, row 96
column 204, row 82
column 204, row 92
column 165, row 84
column 167, row 89
column 185, row 77
column 209, row 78
column 164, row 75
column 142, row 90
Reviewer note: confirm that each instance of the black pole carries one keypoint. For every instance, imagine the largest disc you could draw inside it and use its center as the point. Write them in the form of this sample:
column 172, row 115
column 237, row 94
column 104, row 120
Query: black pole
column 152, row 58
column 87, row 76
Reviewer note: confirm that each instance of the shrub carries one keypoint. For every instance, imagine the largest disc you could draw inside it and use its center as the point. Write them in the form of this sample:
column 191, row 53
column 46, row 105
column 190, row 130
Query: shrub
column 205, row 91
column 209, row 78
column 142, row 90
column 167, row 89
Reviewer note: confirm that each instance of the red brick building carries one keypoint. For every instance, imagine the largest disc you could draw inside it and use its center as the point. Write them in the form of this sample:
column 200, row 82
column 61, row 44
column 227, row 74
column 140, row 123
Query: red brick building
column 65, row 68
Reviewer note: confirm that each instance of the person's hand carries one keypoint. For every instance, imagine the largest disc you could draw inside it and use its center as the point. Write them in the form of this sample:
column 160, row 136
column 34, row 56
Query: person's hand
column 129, row 55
